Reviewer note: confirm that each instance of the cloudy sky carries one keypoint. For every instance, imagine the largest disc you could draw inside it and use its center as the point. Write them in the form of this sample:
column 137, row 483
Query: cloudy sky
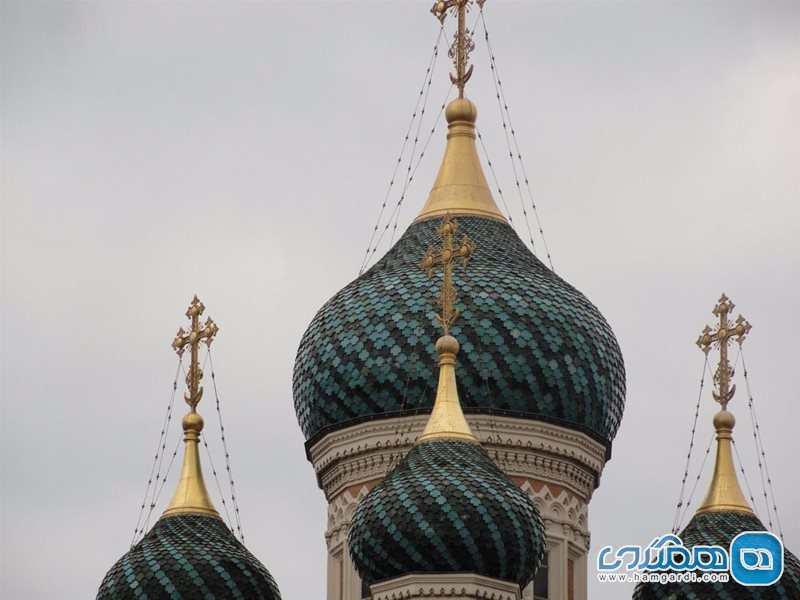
column 241, row 151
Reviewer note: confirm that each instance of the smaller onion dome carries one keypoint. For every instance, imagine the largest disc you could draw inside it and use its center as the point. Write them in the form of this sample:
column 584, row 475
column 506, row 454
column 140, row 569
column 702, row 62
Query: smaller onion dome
column 719, row 528
column 190, row 554
column 725, row 512
column 447, row 507
column 192, row 557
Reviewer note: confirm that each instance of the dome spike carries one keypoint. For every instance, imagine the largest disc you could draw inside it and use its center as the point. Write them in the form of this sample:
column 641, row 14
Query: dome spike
column 191, row 495
column 447, row 419
column 460, row 187
column 724, row 493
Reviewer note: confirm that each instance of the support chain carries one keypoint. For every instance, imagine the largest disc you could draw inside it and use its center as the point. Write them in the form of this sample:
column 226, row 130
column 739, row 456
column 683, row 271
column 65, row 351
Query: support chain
column 421, row 98
column 677, row 521
column 505, row 117
column 396, row 212
column 494, row 176
column 228, row 470
column 696, row 482
column 762, row 457
column 155, row 470
column 744, row 476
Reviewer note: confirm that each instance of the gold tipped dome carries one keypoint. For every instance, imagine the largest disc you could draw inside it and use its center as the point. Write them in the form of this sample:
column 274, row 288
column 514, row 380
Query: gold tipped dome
column 460, row 187
column 447, row 419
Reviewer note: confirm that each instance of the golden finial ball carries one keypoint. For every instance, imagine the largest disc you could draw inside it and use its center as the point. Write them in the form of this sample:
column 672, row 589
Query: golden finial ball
column 193, row 422
column 461, row 109
column 447, row 344
column 724, row 420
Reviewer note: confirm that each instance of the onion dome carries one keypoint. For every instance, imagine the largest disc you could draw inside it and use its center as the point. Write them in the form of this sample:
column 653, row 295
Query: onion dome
column 190, row 553
column 188, row 556
column 724, row 512
column 532, row 345
column 446, row 507
column 719, row 528
column 722, row 516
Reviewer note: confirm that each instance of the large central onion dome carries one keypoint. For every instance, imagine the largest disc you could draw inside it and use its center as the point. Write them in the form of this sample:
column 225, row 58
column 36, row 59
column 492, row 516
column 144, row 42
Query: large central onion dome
column 532, row 345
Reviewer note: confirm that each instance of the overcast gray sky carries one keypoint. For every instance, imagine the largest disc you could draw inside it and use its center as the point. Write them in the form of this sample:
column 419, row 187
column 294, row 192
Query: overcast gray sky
column 240, row 151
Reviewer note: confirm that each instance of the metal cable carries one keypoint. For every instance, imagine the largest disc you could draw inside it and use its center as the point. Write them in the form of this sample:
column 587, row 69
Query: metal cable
column 744, row 476
column 163, row 482
column 762, row 457
column 494, row 176
column 216, row 480
column 696, row 481
column 227, row 453
column 503, row 104
column 396, row 210
column 414, row 147
column 676, row 523
column 422, row 95
column 159, row 454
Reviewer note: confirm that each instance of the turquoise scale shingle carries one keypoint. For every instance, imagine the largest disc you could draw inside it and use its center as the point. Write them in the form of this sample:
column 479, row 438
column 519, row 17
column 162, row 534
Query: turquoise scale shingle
column 720, row 528
column 446, row 508
column 532, row 345
column 186, row 557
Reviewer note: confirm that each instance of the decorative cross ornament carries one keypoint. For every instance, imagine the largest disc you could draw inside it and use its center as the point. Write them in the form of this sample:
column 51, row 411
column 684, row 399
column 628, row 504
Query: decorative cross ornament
column 462, row 44
column 724, row 333
column 445, row 258
column 199, row 332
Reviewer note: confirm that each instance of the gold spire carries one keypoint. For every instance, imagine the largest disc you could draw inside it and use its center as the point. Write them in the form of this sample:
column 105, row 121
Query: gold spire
column 447, row 419
column 724, row 494
column 191, row 495
column 460, row 187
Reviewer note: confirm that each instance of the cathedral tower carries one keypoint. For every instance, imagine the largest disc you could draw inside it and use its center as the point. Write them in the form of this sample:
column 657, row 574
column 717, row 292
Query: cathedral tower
column 541, row 376
column 446, row 519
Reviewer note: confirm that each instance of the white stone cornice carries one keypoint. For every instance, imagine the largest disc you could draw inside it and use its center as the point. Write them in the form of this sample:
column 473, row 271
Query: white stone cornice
column 446, row 585
column 522, row 447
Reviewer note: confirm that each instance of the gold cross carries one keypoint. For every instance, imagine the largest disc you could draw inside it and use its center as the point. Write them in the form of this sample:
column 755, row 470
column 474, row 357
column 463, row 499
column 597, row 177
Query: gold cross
column 445, row 258
column 462, row 45
column 726, row 331
column 199, row 332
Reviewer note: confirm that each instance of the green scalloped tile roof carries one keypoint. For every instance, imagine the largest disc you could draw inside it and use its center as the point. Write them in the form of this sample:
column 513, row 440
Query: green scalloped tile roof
column 446, row 508
column 720, row 528
column 531, row 344
column 188, row 557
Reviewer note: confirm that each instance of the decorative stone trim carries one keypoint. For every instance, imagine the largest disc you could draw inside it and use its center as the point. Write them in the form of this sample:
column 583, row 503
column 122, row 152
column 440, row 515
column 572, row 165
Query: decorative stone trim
column 450, row 585
column 340, row 514
column 522, row 448
column 565, row 516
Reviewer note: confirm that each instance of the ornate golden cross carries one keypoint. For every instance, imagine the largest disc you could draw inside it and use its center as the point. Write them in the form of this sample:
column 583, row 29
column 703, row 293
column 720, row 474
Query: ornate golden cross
column 199, row 332
column 724, row 333
column 462, row 45
column 445, row 258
